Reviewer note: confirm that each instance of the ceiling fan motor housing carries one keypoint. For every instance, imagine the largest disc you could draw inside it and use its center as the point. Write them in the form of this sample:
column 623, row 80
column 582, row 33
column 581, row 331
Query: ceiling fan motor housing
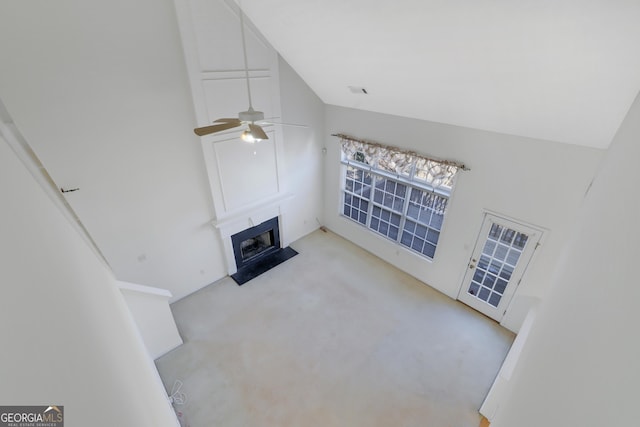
column 251, row 115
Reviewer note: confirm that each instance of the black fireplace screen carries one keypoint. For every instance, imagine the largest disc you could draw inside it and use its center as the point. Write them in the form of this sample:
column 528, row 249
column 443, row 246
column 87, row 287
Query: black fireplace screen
column 254, row 246
column 251, row 244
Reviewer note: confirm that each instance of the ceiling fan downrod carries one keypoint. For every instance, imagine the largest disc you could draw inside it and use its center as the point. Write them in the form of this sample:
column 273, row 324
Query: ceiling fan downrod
column 246, row 63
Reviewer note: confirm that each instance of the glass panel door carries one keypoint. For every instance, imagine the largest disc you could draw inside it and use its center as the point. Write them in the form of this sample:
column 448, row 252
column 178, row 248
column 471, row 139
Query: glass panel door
column 499, row 260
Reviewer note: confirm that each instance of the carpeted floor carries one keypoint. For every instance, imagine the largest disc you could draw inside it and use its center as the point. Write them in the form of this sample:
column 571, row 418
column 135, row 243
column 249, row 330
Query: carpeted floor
column 332, row 337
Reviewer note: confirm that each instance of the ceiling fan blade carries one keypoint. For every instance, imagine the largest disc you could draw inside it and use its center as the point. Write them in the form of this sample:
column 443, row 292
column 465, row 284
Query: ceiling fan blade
column 257, row 131
column 207, row 130
column 270, row 121
column 283, row 124
column 233, row 120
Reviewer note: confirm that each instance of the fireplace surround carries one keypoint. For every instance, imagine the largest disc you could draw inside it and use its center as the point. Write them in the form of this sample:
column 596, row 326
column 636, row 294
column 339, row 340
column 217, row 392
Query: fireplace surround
column 257, row 249
column 253, row 243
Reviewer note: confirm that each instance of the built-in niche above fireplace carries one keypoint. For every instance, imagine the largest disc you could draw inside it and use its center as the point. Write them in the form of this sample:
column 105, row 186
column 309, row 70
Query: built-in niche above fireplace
column 257, row 250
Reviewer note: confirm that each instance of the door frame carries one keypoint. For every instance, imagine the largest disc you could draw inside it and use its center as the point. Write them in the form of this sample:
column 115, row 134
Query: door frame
column 541, row 232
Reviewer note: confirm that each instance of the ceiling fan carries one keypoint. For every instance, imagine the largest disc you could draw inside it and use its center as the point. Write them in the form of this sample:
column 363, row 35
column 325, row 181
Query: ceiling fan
column 254, row 131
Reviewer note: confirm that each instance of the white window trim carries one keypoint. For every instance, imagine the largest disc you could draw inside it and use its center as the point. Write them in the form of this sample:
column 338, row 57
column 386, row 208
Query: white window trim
column 403, row 215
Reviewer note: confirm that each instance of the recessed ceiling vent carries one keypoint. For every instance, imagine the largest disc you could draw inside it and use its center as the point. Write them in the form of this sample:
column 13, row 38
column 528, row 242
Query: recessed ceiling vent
column 358, row 90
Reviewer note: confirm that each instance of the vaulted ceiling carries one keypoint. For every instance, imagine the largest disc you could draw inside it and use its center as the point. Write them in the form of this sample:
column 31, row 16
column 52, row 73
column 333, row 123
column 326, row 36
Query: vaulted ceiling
column 563, row 71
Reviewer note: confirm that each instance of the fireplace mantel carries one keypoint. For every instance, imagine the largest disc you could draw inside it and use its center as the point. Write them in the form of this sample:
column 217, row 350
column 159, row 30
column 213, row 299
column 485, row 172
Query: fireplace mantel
column 248, row 217
column 250, row 210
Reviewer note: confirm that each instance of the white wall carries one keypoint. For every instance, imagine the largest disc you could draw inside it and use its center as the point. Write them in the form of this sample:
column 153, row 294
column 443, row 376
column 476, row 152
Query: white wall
column 534, row 181
column 67, row 335
column 580, row 364
column 303, row 158
column 100, row 91
column 150, row 310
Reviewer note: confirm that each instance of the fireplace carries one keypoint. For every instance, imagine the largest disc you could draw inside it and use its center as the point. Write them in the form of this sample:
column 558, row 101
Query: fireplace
column 257, row 250
column 255, row 246
column 253, row 243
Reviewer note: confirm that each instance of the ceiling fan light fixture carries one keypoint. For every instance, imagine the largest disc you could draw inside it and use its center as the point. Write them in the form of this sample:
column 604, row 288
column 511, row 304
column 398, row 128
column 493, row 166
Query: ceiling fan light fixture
column 247, row 136
column 253, row 134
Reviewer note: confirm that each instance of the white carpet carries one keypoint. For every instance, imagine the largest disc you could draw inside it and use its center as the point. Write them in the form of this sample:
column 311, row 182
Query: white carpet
column 332, row 337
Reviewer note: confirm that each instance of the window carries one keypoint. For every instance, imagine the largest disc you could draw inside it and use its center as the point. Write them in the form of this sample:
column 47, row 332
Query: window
column 401, row 196
column 357, row 188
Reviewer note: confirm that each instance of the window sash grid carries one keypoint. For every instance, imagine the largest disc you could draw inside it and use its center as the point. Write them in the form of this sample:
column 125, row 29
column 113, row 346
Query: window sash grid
column 397, row 177
column 379, row 178
column 405, row 210
column 373, row 203
column 374, row 178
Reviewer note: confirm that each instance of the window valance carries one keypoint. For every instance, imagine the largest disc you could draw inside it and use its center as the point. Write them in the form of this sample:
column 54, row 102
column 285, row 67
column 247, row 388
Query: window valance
column 436, row 173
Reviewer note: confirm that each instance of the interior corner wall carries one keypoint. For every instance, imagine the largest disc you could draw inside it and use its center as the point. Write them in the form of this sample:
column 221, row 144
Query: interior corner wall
column 302, row 153
column 538, row 182
column 579, row 366
column 68, row 338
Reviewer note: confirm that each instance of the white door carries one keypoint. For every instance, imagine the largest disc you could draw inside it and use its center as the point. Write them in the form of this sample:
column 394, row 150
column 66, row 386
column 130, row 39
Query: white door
column 501, row 255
